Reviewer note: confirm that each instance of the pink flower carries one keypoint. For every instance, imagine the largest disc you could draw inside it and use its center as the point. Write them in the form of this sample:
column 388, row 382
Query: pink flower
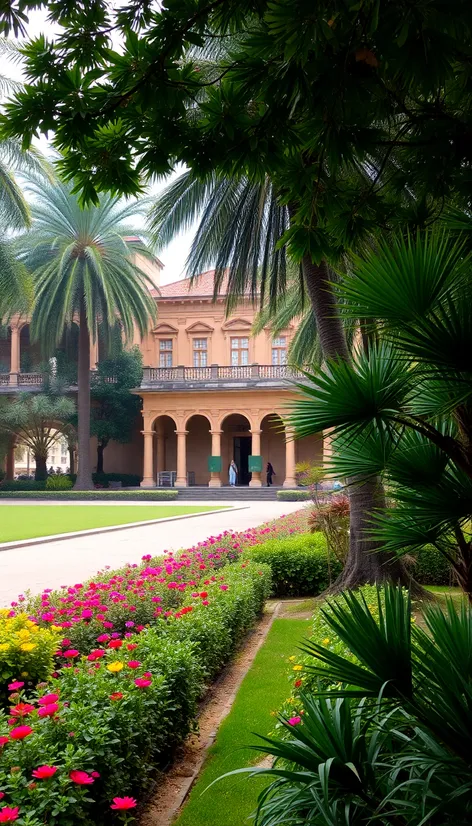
column 294, row 721
column 103, row 638
column 21, row 710
column 21, row 732
column 121, row 804
column 71, row 653
column 95, row 774
column 8, row 815
column 47, row 699
column 223, row 587
column 142, row 682
column 44, row 772
column 15, row 686
column 2, row 795
column 133, row 664
column 49, row 710
column 3, row 741
column 81, row 778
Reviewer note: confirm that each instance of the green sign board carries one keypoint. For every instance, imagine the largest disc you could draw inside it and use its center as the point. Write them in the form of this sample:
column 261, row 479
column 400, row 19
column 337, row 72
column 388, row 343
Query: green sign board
column 214, row 464
column 255, row 464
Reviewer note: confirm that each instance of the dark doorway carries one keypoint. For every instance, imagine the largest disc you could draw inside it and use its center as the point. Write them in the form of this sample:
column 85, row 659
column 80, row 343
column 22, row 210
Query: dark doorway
column 242, row 450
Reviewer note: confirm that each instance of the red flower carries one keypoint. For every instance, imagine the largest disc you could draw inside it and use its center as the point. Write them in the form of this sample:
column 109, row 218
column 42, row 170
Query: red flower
column 48, row 711
column 4, row 741
column 8, row 815
column 298, row 683
column 44, row 772
column 95, row 774
column 140, row 682
column 117, row 695
column 71, row 653
column 204, row 594
column 48, row 699
column 133, row 664
column 21, row 732
column 21, row 710
column 2, row 795
column 96, row 654
column 81, row 778
column 115, row 644
column 131, row 646
column 123, row 803
column 15, row 686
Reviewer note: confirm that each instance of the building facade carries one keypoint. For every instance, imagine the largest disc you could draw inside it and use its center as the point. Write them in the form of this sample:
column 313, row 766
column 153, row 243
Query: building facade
column 211, row 392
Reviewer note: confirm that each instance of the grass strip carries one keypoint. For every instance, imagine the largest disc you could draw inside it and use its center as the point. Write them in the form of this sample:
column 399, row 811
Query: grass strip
column 28, row 521
column 263, row 690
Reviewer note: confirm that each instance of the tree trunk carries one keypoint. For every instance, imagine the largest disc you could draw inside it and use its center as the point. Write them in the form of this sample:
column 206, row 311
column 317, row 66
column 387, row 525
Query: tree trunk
column 100, row 449
column 365, row 564
column 71, row 460
column 41, row 472
column 10, row 462
column 84, row 471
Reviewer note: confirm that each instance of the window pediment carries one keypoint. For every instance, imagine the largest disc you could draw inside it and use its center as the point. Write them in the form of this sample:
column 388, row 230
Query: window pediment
column 199, row 327
column 165, row 330
column 237, row 324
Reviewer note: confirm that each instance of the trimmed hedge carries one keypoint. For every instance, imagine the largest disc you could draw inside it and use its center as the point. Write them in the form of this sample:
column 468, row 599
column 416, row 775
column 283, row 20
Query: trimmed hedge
column 128, row 480
column 61, row 495
column 431, row 567
column 293, row 495
column 300, row 565
column 106, row 723
column 21, row 484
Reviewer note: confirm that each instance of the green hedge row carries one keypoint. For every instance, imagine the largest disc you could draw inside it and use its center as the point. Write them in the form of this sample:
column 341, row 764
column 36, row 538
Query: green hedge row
column 107, row 724
column 128, row 480
column 293, row 495
column 301, row 566
column 60, row 495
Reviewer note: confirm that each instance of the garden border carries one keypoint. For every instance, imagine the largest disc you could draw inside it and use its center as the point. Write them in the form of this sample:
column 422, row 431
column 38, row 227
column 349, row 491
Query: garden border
column 42, row 540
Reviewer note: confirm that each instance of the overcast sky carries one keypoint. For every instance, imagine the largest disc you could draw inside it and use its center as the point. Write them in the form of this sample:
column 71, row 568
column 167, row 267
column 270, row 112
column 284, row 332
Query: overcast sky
column 174, row 255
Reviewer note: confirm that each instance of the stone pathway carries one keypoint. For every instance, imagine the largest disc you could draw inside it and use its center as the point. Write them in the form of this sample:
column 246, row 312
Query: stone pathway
column 68, row 561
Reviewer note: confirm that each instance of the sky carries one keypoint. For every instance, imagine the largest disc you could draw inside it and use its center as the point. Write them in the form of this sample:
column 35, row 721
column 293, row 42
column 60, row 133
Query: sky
column 175, row 254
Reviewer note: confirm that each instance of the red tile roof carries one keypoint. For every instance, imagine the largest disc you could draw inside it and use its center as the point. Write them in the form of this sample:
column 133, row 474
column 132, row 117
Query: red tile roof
column 202, row 287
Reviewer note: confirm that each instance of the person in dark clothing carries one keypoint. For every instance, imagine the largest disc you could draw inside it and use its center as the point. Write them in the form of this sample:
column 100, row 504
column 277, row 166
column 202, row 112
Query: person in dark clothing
column 270, row 473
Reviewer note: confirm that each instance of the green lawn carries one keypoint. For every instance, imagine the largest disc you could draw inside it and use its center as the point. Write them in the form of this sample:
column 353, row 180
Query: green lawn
column 27, row 521
column 265, row 687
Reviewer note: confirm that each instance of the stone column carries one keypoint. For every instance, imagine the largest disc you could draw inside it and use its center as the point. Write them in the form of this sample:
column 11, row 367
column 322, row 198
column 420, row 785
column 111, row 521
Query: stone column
column 14, row 355
column 215, row 476
column 181, row 480
column 148, row 475
column 290, row 477
column 256, row 480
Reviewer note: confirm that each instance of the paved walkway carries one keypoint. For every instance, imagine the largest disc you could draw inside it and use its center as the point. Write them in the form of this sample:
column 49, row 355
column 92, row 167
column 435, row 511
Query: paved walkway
column 67, row 561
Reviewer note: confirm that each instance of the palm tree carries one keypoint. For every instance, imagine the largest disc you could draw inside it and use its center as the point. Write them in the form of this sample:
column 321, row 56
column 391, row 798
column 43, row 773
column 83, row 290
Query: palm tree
column 241, row 225
column 36, row 420
column 83, row 272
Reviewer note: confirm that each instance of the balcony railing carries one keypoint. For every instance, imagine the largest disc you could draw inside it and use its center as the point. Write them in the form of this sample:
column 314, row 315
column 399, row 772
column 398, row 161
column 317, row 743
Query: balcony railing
column 24, row 381
column 216, row 373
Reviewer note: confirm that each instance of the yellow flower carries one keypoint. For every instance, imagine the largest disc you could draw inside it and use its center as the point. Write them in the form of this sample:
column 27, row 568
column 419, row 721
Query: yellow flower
column 298, row 668
column 56, row 628
column 292, row 659
column 25, row 674
column 23, row 634
column 4, row 646
column 4, row 612
column 31, row 624
column 326, row 641
column 115, row 666
column 28, row 646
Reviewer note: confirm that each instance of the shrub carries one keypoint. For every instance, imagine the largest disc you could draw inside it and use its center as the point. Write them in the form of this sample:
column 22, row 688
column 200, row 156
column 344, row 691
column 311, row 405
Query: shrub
column 21, row 485
column 300, row 564
column 88, row 494
column 431, row 567
column 128, row 480
column 293, row 495
column 61, row 482
column 26, row 649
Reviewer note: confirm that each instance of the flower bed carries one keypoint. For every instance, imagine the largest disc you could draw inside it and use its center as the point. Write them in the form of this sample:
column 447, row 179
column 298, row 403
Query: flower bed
column 119, row 703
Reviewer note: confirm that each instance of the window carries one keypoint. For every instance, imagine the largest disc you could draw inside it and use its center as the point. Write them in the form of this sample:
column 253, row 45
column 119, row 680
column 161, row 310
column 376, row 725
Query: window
column 239, row 351
column 165, row 352
column 279, row 350
column 200, row 352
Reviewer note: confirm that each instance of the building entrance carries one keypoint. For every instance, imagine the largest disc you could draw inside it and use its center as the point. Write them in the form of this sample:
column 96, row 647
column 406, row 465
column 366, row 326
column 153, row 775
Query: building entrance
column 242, row 446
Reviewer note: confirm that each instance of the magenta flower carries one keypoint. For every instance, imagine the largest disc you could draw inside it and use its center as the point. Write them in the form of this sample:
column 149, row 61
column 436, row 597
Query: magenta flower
column 294, row 721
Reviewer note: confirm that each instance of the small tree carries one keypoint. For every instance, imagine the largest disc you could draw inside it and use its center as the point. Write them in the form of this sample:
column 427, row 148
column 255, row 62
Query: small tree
column 114, row 408
column 36, row 420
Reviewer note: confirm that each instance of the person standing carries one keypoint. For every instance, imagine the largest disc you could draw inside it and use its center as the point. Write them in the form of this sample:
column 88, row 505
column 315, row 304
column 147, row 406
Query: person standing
column 270, row 473
column 233, row 473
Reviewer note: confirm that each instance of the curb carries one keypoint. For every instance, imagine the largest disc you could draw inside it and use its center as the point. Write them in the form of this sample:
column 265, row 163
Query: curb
column 43, row 540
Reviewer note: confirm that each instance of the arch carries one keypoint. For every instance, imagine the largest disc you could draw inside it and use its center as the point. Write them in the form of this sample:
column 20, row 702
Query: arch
column 198, row 428
column 236, row 443
column 273, row 446
column 165, row 445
